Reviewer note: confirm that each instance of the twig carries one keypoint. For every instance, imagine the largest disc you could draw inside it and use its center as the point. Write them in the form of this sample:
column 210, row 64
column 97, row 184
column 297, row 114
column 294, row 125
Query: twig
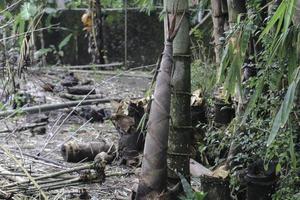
column 25, row 171
column 55, row 174
column 54, row 164
column 71, row 136
column 55, row 184
column 9, row 175
column 11, row 6
column 4, row 195
column 21, row 34
column 42, row 184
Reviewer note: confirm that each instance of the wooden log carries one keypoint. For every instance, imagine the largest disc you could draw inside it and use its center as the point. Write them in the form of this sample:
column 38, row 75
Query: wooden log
column 76, row 152
column 109, row 73
column 50, row 107
column 81, row 90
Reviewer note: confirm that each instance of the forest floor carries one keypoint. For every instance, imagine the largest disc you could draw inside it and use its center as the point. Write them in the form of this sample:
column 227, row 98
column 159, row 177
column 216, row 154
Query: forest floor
column 24, row 145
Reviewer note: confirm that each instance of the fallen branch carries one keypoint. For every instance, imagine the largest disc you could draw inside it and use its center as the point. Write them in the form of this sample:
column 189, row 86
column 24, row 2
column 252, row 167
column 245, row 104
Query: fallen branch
column 78, row 97
column 31, row 179
column 50, row 107
column 24, row 128
column 98, row 166
column 125, row 74
column 54, row 164
column 9, row 175
column 68, row 181
column 46, row 185
column 4, row 195
column 52, row 175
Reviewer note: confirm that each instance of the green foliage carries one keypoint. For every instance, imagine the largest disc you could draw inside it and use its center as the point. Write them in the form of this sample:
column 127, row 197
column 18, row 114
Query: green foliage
column 285, row 109
column 28, row 10
column 234, row 57
column 146, row 5
column 2, row 107
column 201, row 48
column 65, row 41
column 267, row 126
column 78, row 4
column 289, row 187
column 203, row 76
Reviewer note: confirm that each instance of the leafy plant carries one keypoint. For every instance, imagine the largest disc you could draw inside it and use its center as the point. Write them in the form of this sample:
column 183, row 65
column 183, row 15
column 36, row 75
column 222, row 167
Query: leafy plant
column 234, row 57
column 285, row 109
column 189, row 193
column 57, row 51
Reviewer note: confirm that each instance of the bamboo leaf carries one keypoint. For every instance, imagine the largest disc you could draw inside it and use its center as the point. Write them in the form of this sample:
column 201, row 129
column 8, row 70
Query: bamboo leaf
column 186, row 186
column 28, row 10
column 285, row 108
column 224, row 63
column 279, row 14
column 288, row 103
column 275, row 127
column 65, row 41
column 291, row 5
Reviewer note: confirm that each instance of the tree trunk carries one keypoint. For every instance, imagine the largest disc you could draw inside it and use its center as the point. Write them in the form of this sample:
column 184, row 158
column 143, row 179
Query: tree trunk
column 296, row 18
column 180, row 134
column 218, row 21
column 96, row 34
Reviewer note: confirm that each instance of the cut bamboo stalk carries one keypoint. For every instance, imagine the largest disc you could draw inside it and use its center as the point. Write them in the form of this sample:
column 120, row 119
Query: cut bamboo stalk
column 78, row 97
column 50, row 107
column 109, row 73
column 24, row 128
column 10, row 175
column 55, row 174
column 180, row 132
column 116, row 64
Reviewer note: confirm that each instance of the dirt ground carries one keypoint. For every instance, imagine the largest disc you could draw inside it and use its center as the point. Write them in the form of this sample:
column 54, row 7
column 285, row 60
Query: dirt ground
column 22, row 146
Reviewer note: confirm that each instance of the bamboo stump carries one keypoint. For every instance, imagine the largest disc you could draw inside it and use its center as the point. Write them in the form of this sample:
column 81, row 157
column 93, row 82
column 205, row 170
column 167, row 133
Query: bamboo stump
column 76, row 152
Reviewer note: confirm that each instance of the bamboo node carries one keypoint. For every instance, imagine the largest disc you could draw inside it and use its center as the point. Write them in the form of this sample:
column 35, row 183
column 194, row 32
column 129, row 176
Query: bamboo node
column 178, row 154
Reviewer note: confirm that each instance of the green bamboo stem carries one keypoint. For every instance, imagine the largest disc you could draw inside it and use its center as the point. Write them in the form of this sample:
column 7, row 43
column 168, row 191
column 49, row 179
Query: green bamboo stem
column 218, row 21
column 180, row 134
column 235, row 8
